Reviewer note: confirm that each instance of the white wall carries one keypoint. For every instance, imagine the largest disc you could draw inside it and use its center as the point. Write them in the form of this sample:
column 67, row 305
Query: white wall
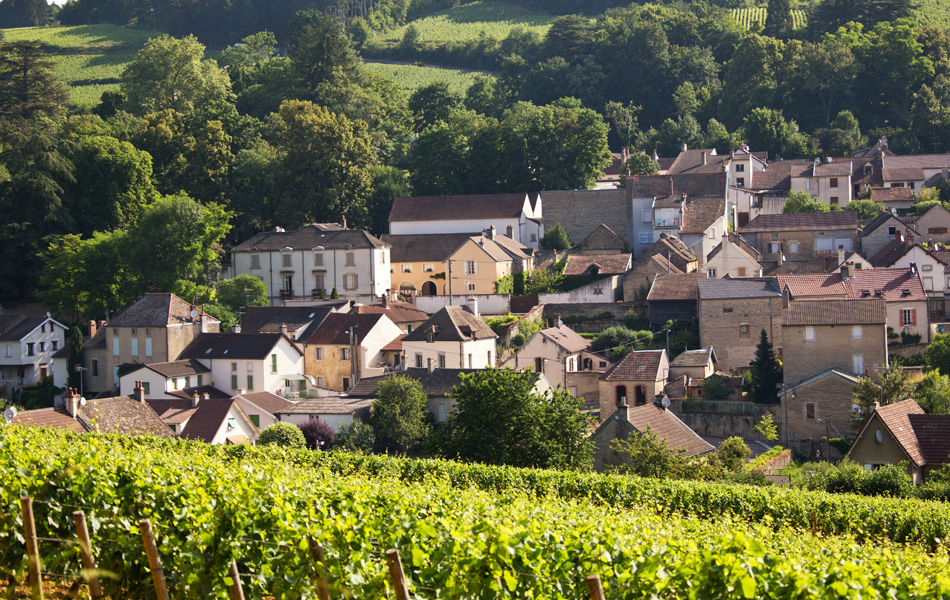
column 525, row 231
column 558, row 363
column 599, row 291
column 488, row 304
column 456, row 353
column 371, row 346
column 289, row 362
column 242, row 426
column 334, row 421
column 933, row 280
column 54, row 332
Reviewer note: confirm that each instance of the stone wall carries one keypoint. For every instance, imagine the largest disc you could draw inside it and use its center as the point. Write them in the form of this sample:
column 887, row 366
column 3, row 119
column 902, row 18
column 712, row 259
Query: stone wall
column 733, row 327
column 580, row 212
column 724, row 425
column 619, row 309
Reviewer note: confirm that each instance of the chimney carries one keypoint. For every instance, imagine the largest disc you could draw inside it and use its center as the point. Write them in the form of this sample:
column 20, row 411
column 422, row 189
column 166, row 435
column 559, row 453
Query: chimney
column 473, row 305
column 847, row 270
column 656, row 157
column 237, row 328
column 509, row 231
column 203, row 319
column 781, row 254
column 72, row 402
column 704, row 158
column 622, row 409
column 206, row 396
column 283, row 329
column 344, row 222
column 875, row 406
column 908, row 239
column 241, row 391
column 841, row 255
column 685, row 147
column 92, row 328
column 194, row 400
column 385, row 299
column 101, row 324
column 138, row 393
column 490, row 232
column 431, row 365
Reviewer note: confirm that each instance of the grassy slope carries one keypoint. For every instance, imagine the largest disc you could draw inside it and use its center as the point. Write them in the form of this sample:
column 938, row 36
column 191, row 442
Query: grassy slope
column 410, row 77
column 89, row 58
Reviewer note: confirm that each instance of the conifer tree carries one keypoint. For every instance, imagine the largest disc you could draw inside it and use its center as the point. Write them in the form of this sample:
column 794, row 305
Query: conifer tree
column 766, row 372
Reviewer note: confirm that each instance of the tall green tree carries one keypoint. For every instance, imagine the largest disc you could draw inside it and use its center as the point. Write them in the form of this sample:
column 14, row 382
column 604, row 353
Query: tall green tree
column 932, row 393
column 937, row 355
column 241, row 292
column 802, row 202
column 432, row 103
column 24, row 13
column 320, row 50
column 500, row 420
column 766, row 372
column 892, row 385
column 778, row 20
column 75, row 357
column 28, row 85
column 399, row 413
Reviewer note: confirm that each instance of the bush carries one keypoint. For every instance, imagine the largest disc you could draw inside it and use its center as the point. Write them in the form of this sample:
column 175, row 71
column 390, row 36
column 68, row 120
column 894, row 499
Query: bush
column 556, row 238
column 518, row 339
column 733, row 453
column 848, row 477
column 319, row 435
column 621, row 336
column 282, row 434
column 910, row 338
column 358, row 436
column 633, row 320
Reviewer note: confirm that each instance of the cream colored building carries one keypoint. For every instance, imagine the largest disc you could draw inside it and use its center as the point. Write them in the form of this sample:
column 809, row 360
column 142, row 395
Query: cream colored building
column 828, row 182
column 734, row 257
column 453, row 338
column 556, row 352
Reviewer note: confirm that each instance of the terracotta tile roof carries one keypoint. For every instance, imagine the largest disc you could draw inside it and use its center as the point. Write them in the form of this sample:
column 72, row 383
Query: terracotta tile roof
column 309, row 237
column 445, row 208
column 206, row 420
column 701, row 213
column 674, row 286
column 896, row 417
column 716, row 289
column 188, row 393
column 433, row 248
column 835, row 312
column 272, row 403
column 640, row 365
column 694, row 358
column 335, row 329
column 605, row 264
column 826, row 284
column 566, row 338
column 669, row 428
column 894, row 194
column 54, row 418
column 157, row 310
column 395, row 345
column 836, row 168
column 902, row 173
column 177, row 416
column 452, row 324
column 834, row 221
column 941, row 255
column 398, row 312
column 933, row 436
column 268, row 319
column 248, row 346
column 331, row 405
column 898, row 285
column 119, row 414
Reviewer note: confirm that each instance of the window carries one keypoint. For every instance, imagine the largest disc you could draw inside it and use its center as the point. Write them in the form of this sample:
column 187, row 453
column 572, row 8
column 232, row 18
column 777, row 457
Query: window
column 647, row 216
column 201, row 380
column 740, row 271
column 936, row 230
column 793, row 247
column 350, row 259
column 471, row 287
column 286, row 260
column 430, row 337
column 646, row 238
column 43, row 328
column 740, row 168
column 95, row 367
column 135, row 347
column 441, row 361
column 9, row 351
column 319, row 381
column 727, row 311
column 428, row 268
column 255, row 261
column 774, row 236
column 857, row 362
column 810, row 411
column 892, row 231
column 148, row 346
column 234, row 367
column 928, row 284
column 256, row 419
column 250, row 383
column 407, row 268
column 857, row 332
column 350, row 281
column 42, row 346
column 346, row 384
column 319, row 282
column 318, row 353
column 344, row 354
column 471, row 267
column 443, row 412
column 187, row 382
column 273, row 363
column 538, row 364
column 418, row 361
column 809, row 333
column 148, row 331
column 534, row 237
column 135, row 332
column 29, row 350
column 909, row 317
column 318, row 259
column 833, row 182
column 743, row 330
column 834, row 201
column 146, row 387
column 927, row 268
column 808, row 184
column 711, row 272
column 740, row 181
column 115, row 346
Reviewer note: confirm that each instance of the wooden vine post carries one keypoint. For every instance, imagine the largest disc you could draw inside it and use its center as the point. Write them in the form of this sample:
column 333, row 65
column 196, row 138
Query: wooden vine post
column 316, row 553
column 32, row 549
column 236, row 590
column 154, row 562
column 85, row 551
column 595, row 588
column 397, row 575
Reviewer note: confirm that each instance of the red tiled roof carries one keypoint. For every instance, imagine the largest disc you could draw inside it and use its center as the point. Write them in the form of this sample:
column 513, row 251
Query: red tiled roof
column 204, row 423
column 55, row 418
column 894, row 194
column 835, row 312
column 395, row 345
column 642, row 365
column 933, row 436
column 824, row 284
column 669, row 428
column 889, row 254
column 607, row 264
column 898, row 285
column 896, row 417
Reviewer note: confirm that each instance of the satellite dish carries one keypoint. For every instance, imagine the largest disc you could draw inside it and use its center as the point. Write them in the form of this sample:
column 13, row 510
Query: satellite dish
column 9, row 414
column 82, row 401
column 665, row 401
column 194, row 314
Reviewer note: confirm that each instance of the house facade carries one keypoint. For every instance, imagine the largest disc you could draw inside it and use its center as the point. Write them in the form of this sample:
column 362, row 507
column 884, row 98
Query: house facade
column 881, row 231
column 733, row 257
column 635, row 380
column 733, row 312
column 803, row 235
column 555, row 352
column 817, row 407
column 28, row 345
column 348, row 347
column 418, row 267
column 313, row 261
column 934, row 225
column 453, row 338
column 249, row 362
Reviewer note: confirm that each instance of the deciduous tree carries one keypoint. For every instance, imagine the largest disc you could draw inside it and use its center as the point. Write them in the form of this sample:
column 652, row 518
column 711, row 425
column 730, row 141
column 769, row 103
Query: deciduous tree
column 399, row 413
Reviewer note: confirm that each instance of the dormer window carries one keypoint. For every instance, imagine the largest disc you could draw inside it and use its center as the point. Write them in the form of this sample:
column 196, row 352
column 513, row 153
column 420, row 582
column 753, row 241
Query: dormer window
column 318, row 259
column 430, row 337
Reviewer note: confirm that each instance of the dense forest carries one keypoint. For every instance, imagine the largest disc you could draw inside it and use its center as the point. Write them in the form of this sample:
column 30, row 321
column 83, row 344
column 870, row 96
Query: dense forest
column 285, row 125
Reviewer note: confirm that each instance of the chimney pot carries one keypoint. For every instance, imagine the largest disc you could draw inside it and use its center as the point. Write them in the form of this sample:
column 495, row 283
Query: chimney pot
column 92, row 328
column 206, row 396
column 194, row 400
column 685, row 147
column 237, row 328
column 283, row 328
column 138, row 393
column 473, row 305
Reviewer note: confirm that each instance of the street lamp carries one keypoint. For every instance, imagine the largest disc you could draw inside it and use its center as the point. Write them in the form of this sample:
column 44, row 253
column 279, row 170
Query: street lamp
column 79, row 369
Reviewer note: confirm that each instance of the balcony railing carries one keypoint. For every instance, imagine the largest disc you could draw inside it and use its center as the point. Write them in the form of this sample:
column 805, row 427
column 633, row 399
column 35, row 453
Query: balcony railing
column 284, row 294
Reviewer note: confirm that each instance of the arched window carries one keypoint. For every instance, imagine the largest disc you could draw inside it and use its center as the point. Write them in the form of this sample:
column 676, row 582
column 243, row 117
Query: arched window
column 621, row 394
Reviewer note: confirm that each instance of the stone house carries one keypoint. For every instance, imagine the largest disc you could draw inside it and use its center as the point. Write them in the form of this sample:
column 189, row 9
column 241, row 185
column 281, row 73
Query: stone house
column 902, row 432
column 212, row 420
column 335, row 411
column 555, row 352
column 517, row 215
column 310, row 262
column 803, row 235
column 417, row 261
column 904, row 253
column 582, row 212
column 28, row 344
column 828, row 182
column 698, row 222
column 849, row 335
column 733, row 312
column 881, row 231
column 734, row 257
column 896, row 200
column 666, row 255
column 638, row 377
column 602, row 240
column 816, row 407
column 585, row 381
column 626, row 421
column 934, row 225
column 673, row 297
column 347, row 347
column 695, row 364
column 453, row 338
column 406, row 316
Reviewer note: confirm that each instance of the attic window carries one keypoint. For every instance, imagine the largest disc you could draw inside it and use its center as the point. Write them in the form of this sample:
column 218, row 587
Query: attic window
column 208, row 351
column 642, row 368
column 905, row 292
column 430, row 337
column 865, row 293
column 225, row 352
column 878, row 292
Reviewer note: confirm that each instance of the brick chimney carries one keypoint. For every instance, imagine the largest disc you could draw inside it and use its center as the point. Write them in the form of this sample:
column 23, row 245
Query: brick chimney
column 237, row 328
column 509, row 231
column 385, row 299
column 194, row 400
column 841, row 254
column 138, row 392
column 908, row 239
column 72, row 402
column 92, row 328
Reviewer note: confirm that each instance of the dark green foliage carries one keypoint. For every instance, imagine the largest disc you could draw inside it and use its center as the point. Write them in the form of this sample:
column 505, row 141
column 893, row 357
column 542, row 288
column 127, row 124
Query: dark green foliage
column 319, row 50
column 891, row 385
column 732, row 453
column 75, row 357
column 766, row 372
column 932, row 393
column 282, row 434
column 399, row 414
column 851, row 478
column 646, row 455
column 866, row 209
column 356, row 436
column 333, row 294
column 714, row 388
column 612, row 337
column 937, row 355
column 241, row 292
column 24, row 13
column 778, row 22
column 432, row 103
column 556, row 238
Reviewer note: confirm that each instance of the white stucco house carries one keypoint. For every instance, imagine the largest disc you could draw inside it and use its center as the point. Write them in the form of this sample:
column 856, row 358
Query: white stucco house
column 27, row 346
column 553, row 352
column 454, row 338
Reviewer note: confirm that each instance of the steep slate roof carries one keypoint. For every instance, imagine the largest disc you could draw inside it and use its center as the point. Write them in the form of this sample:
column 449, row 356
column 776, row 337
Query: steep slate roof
column 268, row 319
column 802, row 222
column 335, row 329
column 176, row 368
column 331, row 405
column 609, row 264
column 894, row 194
column 309, row 237
column 739, row 242
column 694, row 358
column 157, row 310
column 674, row 286
column 445, row 208
column 890, row 254
column 15, row 326
column 835, row 312
column 669, row 428
column 701, row 213
column 566, row 338
column 398, row 312
column 435, row 383
column 717, row 289
column 640, row 365
column 204, row 422
column 429, row 247
column 247, row 346
column 452, row 324
column 272, row 403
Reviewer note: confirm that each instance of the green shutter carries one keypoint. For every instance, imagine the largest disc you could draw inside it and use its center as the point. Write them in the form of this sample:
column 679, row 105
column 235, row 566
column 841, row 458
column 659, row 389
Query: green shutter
column 256, row 419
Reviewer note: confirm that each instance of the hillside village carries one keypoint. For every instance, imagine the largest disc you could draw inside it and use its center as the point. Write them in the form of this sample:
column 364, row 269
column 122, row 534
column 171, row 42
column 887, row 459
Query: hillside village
column 701, row 255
